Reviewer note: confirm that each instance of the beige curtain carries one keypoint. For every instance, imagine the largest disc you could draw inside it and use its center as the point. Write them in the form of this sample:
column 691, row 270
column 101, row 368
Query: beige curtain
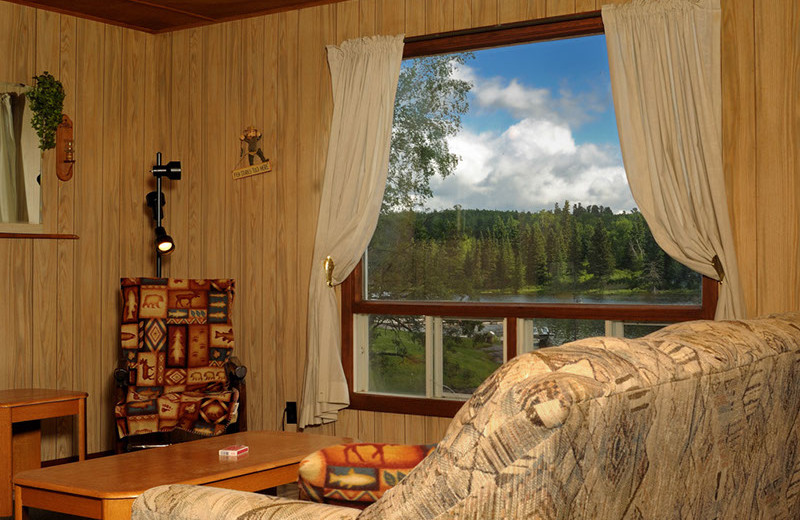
column 664, row 58
column 364, row 75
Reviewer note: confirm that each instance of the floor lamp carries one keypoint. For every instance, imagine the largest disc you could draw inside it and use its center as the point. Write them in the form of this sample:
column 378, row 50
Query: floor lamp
column 155, row 201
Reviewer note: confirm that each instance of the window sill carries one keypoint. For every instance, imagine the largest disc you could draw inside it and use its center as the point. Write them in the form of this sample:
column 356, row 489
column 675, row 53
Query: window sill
column 405, row 405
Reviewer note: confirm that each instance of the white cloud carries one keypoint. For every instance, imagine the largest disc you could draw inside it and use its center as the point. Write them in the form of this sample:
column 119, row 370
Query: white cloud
column 522, row 101
column 528, row 167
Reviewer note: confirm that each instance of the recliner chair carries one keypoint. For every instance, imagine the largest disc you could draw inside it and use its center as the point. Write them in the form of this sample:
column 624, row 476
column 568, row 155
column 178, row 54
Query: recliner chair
column 178, row 373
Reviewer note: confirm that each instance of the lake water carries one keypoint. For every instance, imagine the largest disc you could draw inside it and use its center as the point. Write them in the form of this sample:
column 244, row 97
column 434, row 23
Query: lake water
column 611, row 299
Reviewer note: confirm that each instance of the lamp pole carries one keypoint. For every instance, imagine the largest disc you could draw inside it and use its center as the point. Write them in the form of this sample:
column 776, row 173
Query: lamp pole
column 158, row 216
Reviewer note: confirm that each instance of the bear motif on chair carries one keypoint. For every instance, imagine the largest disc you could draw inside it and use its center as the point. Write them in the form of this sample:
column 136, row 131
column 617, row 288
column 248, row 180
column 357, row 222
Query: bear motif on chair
column 177, row 369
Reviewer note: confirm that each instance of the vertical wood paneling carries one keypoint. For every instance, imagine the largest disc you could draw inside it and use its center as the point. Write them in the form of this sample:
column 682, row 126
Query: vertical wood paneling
column 560, row 7
column 110, row 201
column 287, row 173
column 251, row 196
column 512, row 10
column 415, row 17
column 189, row 94
column 269, row 384
column 738, row 137
column 177, row 193
column 582, row 6
column 214, row 207
column 347, row 20
column 194, row 162
column 462, row 14
column 391, row 16
column 45, row 253
column 88, row 187
column 440, row 16
column 777, row 66
column 537, row 8
column 484, row 12
column 65, row 311
column 367, row 18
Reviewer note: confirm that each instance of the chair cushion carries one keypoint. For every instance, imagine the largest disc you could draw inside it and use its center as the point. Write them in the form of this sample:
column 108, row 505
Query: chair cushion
column 176, row 337
column 357, row 472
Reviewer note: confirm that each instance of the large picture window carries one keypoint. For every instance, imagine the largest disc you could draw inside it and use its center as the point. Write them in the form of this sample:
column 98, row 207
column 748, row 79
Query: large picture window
column 507, row 223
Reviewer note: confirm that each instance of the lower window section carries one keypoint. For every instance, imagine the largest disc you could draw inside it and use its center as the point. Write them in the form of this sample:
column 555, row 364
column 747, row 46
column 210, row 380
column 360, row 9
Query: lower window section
column 434, row 357
column 471, row 350
column 396, row 354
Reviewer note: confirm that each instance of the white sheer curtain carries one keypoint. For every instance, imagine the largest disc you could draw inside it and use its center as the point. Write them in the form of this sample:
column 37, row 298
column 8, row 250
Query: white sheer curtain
column 364, row 75
column 664, row 58
column 8, row 161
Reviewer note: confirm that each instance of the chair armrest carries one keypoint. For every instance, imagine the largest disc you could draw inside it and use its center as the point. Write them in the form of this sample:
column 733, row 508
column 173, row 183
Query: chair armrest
column 235, row 369
column 182, row 502
column 121, row 377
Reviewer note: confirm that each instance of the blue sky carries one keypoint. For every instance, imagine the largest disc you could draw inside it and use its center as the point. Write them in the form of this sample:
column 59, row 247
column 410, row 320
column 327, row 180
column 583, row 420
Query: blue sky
column 541, row 129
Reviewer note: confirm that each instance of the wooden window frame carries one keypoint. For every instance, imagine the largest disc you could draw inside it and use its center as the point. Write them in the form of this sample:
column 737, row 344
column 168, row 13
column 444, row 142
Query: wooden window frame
column 354, row 303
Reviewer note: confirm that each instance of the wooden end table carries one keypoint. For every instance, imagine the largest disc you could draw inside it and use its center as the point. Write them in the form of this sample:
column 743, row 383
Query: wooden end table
column 21, row 411
column 106, row 487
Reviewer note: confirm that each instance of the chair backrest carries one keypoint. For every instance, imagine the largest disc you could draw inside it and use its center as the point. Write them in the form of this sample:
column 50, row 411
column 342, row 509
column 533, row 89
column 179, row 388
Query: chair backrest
column 176, row 336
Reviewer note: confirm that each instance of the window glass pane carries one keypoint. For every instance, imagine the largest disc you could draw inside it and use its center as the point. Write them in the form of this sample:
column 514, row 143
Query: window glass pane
column 552, row 332
column 397, row 354
column 506, row 184
column 637, row 330
column 473, row 349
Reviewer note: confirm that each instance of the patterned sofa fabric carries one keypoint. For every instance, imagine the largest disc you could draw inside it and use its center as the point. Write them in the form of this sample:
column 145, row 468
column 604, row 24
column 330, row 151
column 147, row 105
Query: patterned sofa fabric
column 698, row 420
column 181, row 502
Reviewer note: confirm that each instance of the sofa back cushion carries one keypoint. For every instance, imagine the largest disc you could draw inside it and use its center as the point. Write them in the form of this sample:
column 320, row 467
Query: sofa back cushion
column 698, row 420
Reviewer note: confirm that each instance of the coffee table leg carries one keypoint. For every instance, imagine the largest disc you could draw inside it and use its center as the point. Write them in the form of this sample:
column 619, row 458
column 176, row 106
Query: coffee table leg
column 117, row 509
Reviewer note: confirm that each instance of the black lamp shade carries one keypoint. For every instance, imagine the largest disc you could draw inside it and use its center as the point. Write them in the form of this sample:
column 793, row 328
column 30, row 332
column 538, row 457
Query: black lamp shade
column 164, row 243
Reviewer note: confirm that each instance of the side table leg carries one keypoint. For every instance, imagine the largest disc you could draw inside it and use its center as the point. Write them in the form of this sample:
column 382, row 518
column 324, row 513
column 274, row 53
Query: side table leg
column 20, row 512
column 82, row 428
column 6, row 463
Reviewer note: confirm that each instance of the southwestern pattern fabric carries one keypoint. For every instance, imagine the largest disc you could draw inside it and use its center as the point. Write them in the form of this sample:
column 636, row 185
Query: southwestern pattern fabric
column 359, row 473
column 176, row 337
column 696, row 421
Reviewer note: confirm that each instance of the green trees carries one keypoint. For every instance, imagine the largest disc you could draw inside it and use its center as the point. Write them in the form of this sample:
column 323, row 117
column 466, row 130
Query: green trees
column 460, row 254
column 428, row 108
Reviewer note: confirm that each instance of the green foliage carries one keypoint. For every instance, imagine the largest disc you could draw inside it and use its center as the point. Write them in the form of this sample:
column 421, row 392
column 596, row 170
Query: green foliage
column 47, row 104
column 428, row 108
column 458, row 254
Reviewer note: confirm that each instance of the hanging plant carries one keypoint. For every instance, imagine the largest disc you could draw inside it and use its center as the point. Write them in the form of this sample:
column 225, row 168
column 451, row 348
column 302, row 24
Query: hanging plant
column 47, row 104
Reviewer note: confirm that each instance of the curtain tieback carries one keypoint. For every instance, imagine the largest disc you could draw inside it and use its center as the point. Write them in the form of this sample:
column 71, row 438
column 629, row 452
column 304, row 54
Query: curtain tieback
column 717, row 266
column 328, row 265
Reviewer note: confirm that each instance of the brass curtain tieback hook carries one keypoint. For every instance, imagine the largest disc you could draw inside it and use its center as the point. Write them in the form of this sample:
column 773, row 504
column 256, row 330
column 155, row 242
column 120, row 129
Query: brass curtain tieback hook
column 718, row 267
column 328, row 265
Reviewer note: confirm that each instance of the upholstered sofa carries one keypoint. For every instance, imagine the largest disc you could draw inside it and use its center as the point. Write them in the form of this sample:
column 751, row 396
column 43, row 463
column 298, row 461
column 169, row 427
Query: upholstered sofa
column 698, row 420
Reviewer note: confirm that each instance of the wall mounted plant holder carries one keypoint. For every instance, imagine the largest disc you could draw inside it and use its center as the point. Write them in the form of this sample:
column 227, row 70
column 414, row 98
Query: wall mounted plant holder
column 65, row 149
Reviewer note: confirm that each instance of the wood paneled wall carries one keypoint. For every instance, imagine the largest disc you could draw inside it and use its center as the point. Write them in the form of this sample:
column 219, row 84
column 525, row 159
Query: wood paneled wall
column 190, row 93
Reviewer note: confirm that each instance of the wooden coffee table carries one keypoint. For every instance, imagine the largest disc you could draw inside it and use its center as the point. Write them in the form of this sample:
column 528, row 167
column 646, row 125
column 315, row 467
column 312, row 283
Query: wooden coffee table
column 105, row 488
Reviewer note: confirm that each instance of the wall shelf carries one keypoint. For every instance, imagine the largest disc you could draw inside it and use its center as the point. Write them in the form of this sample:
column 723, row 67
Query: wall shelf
column 60, row 236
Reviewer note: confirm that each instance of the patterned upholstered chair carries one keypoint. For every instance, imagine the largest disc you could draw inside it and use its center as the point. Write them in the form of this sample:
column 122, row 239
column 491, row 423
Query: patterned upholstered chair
column 357, row 474
column 177, row 370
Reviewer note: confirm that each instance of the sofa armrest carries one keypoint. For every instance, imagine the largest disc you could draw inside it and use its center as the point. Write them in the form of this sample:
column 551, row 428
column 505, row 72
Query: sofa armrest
column 183, row 502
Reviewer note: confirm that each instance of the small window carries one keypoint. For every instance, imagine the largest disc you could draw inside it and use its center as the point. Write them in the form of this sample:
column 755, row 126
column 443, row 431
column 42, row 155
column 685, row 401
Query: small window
column 507, row 224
